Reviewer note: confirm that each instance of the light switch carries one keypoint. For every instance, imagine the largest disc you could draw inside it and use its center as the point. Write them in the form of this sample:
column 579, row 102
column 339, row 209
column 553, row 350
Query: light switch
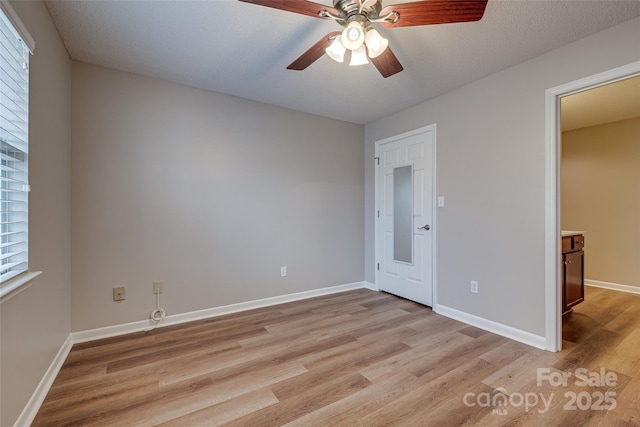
column 440, row 201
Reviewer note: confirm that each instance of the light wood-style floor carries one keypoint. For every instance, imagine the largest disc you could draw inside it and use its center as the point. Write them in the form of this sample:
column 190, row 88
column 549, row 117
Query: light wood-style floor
column 358, row 358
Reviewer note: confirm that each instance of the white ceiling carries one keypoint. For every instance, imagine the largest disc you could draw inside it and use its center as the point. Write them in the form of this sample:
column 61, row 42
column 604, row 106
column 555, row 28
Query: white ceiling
column 242, row 49
column 604, row 104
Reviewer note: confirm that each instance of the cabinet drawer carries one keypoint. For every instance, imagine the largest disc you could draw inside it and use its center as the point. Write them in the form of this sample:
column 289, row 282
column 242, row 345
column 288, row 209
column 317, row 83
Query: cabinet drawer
column 572, row 243
column 578, row 242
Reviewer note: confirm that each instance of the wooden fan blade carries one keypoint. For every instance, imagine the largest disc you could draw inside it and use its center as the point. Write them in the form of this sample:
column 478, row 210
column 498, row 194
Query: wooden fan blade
column 313, row 54
column 302, row 7
column 429, row 12
column 387, row 63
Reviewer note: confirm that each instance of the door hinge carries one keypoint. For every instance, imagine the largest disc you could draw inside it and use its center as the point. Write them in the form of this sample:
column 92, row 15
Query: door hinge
column 378, row 214
column 378, row 266
column 377, row 159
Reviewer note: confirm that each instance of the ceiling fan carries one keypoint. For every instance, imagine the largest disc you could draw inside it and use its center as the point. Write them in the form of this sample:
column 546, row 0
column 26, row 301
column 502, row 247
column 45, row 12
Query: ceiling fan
column 360, row 38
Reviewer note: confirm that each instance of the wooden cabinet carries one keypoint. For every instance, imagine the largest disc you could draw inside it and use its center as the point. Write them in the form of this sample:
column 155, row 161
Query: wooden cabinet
column 572, row 272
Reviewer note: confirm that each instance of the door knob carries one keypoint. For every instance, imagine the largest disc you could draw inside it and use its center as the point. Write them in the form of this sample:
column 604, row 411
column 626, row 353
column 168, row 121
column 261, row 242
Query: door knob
column 425, row 227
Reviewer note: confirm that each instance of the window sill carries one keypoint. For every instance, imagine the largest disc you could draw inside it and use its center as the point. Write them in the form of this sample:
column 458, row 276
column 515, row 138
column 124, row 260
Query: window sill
column 14, row 286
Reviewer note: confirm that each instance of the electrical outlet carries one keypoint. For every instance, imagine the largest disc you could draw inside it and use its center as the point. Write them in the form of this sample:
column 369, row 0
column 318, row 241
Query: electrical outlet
column 157, row 288
column 119, row 294
column 474, row 287
column 283, row 271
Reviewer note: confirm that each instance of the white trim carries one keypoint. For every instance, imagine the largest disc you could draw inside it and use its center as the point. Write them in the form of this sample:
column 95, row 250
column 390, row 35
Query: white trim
column 434, row 216
column 32, row 407
column 613, row 286
column 14, row 286
column 434, row 210
column 553, row 295
column 553, row 315
column 376, row 219
column 491, row 326
column 371, row 286
column 127, row 328
column 18, row 25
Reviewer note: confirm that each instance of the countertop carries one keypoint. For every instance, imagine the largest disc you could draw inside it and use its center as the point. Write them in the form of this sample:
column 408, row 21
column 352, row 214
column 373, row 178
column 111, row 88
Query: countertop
column 571, row 233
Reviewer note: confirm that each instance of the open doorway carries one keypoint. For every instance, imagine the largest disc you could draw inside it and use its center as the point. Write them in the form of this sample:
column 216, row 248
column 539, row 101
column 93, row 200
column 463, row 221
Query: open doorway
column 599, row 204
column 553, row 249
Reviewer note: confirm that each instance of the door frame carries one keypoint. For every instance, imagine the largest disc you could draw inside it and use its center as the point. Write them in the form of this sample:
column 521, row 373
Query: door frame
column 376, row 207
column 553, row 152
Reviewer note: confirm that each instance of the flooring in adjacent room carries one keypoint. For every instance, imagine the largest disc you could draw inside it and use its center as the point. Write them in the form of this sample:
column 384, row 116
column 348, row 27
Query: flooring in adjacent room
column 355, row 358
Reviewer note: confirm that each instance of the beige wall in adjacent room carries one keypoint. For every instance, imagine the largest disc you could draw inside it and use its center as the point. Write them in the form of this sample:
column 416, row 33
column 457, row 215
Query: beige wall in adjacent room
column 491, row 170
column 601, row 196
column 209, row 193
column 36, row 322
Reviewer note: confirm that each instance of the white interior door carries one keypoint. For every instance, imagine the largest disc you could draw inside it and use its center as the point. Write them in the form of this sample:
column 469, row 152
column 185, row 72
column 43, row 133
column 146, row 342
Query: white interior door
column 404, row 234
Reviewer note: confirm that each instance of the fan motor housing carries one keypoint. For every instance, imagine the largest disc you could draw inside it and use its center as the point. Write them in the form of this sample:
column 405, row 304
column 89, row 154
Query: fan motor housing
column 349, row 8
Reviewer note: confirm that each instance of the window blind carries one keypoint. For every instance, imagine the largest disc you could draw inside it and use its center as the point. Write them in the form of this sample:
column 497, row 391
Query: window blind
column 14, row 131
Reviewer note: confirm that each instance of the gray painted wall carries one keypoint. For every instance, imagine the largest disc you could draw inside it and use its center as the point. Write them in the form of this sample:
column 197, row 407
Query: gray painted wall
column 36, row 322
column 209, row 193
column 491, row 170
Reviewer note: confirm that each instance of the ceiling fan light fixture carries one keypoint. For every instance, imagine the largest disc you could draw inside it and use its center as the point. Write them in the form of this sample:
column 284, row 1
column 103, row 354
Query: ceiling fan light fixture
column 336, row 50
column 376, row 44
column 356, row 18
column 353, row 36
column 359, row 56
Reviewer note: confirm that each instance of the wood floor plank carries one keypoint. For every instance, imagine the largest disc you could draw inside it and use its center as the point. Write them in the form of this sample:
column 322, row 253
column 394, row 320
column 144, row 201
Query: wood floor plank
column 357, row 358
column 225, row 411
column 416, row 359
column 161, row 353
column 521, row 371
column 349, row 410
column 413, row 408
column 506, row 353
column 586, row 354
column 200, row 364
column 431, row 322
column 434, row 366
column 362, row 352
column 381, row 326
column 618, row 358
column 83, row 407
column 626, row 320
column 627, row 412
column 98, row 387
column 455, row 412
column 359, row 326
column 302, row 322
column 304, row 402
column 192, row 397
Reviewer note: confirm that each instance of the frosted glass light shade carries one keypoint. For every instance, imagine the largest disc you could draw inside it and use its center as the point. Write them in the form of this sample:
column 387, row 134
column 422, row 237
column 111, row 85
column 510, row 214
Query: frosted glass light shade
column 353, row 36
column 336, row 50
column 375, row 43
column 359, row 56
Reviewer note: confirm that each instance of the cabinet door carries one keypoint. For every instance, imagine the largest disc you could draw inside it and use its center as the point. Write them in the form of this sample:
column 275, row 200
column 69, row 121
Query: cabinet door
column 573, row 279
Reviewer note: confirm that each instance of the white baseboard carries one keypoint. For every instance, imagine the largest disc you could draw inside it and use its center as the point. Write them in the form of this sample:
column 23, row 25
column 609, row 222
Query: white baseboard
column 127, row 328
column 491, row 326
column 32, row 407
column 371, row 286
column 613, row 286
